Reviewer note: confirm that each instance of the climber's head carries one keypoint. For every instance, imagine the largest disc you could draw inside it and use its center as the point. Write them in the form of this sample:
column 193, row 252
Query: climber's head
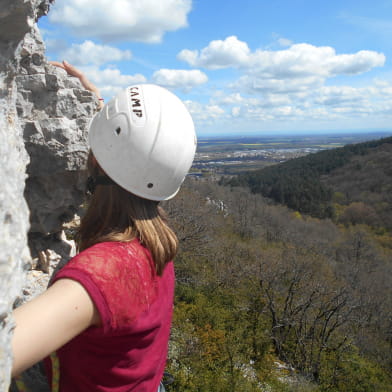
column 144, row 140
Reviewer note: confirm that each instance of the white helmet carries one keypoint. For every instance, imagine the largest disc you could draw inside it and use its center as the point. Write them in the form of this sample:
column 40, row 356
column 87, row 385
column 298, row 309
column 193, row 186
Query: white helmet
column 144, row 139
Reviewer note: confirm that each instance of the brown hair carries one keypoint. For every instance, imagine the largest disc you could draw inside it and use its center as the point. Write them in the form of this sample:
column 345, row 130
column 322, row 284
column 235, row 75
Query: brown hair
column 114, row 214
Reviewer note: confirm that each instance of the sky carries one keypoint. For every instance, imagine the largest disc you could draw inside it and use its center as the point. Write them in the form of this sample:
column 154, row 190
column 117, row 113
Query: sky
column 248, row 67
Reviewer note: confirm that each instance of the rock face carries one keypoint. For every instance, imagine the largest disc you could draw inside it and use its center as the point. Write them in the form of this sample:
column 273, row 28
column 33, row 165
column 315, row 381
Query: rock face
column 43, row 119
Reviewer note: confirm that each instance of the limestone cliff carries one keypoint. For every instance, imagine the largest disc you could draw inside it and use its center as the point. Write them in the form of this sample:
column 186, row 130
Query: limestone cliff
column 43, row 118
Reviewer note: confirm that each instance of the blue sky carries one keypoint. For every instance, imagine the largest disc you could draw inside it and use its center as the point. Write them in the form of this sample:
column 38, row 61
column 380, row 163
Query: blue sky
column 242, row 67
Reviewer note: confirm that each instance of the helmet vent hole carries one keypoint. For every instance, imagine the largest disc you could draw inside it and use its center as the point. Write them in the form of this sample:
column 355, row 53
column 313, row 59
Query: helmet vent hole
column 150, row 185
column 118, row 130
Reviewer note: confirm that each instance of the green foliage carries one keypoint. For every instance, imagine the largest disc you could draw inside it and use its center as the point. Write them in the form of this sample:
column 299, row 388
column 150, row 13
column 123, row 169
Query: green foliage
column 353, row 373
column 210, row 344
column 262, row 291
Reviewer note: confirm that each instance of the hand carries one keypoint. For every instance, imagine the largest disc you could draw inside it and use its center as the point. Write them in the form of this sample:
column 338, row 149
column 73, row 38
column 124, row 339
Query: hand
column 73, row 71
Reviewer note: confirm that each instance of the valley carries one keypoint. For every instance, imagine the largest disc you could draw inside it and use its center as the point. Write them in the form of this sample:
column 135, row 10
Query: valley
column 232, row 155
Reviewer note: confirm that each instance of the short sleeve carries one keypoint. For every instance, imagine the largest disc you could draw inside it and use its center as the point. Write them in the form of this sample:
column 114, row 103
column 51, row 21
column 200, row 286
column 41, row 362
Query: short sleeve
column 120, row 279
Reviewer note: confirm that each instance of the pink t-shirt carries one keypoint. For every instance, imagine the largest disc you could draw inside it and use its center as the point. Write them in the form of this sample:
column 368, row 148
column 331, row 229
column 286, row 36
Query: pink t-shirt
column 128, row 352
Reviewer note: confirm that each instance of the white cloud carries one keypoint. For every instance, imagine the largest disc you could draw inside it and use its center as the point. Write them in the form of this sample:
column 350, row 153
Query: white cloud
column 321, row 107
column 179, row 78
column 218, row 54
column 255, row 84
column 288, row 85
column 229, row 99
column 297, row 61
column 236, row 111
column 215, row 111
column 340, row 95
column 89, row 53
column 205, row 113
column 111, row 80
column 237, row 99
column 320, row 104
column 121, row 20
column 284, row 42
column 359, row 62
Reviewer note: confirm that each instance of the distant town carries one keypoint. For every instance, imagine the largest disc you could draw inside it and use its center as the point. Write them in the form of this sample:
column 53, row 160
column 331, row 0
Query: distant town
column 231, row 155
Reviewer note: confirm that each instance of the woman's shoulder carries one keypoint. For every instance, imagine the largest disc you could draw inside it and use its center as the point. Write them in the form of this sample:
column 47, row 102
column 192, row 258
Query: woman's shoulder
column 112, row 261
column 112, row 252
column 122, row 272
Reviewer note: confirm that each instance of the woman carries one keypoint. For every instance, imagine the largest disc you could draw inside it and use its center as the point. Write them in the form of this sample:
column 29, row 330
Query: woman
column 107, row 313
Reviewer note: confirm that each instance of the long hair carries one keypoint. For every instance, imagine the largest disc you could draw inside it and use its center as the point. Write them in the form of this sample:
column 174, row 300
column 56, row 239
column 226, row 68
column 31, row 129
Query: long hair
column 114, row 214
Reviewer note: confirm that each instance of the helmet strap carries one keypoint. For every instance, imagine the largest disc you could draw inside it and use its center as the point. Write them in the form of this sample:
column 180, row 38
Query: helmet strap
column 93, row 181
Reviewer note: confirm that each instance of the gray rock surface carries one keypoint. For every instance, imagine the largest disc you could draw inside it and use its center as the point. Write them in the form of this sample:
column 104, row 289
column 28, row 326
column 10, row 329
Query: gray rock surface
column 43, row 119
column 54, row 111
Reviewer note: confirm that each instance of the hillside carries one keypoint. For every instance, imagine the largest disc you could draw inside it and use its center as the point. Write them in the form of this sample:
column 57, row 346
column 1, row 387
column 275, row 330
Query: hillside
column 363, row 188
column 326, row 183
column 271, row 300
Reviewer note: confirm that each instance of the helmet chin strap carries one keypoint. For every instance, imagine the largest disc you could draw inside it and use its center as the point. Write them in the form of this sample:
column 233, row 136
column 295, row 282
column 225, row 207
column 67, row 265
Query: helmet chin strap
column 93, row 181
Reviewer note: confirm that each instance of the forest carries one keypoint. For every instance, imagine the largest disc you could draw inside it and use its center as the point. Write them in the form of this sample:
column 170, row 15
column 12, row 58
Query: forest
column 274, row 298
column 300, row 185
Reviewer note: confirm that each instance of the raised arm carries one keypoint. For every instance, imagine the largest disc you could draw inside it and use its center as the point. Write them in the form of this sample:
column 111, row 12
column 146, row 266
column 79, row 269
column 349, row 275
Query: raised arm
column 73, row 71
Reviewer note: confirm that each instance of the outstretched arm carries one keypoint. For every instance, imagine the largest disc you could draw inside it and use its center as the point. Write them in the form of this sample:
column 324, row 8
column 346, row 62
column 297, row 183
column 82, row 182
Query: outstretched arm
column 49, row 321
column 73, row 71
